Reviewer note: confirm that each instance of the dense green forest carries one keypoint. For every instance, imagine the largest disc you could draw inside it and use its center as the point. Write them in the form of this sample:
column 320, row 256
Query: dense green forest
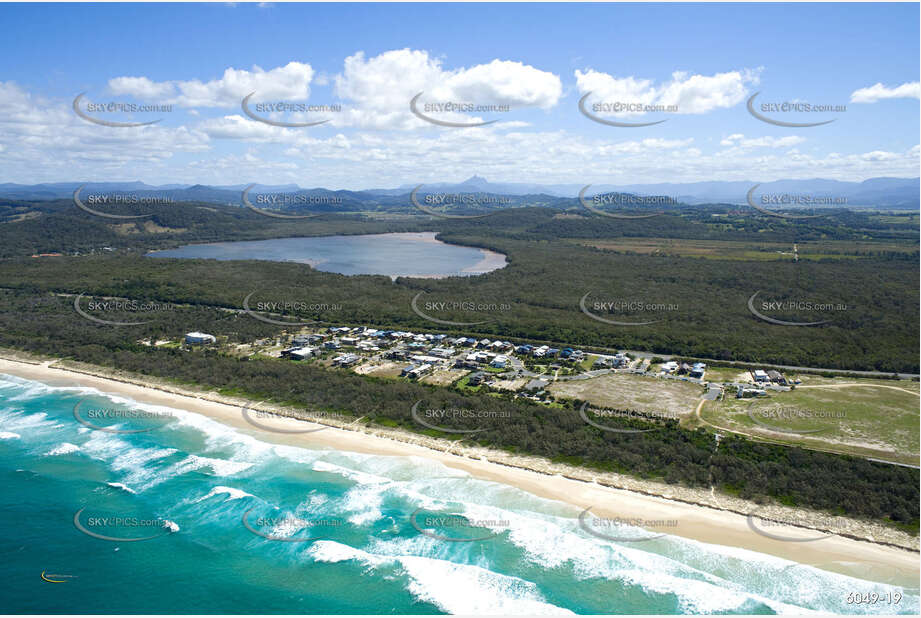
column 840, row 484
column 700, row 309
column 59, row 226
column 699, row 305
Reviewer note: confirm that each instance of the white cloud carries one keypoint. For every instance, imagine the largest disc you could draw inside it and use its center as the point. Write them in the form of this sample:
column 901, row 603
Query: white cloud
column 290, row 82
column 738, row 140
column 693, row 94
column 879, row 155
column 380, row 88
column 43, row 140
column 49, row 137
column 236, row 126
column 872, row 94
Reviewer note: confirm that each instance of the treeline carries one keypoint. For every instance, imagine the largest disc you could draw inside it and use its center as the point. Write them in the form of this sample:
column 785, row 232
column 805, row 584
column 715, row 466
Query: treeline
column 839, row 484
column 705, row 314
column 60, row 227
column 699, row 307
column 28, row 227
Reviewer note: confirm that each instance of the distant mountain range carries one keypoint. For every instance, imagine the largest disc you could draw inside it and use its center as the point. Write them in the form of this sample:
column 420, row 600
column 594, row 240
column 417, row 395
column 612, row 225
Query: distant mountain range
column 896, row 193
column 882, row 192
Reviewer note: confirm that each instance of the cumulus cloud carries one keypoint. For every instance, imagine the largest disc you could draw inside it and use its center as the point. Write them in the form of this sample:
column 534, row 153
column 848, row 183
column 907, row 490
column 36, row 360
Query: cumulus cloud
column 43, row 140
column 876, row 92
column 381, row 87
column 367, row 159
column 740, row 141
column 290, row 82
column 692, row 94
column 49, row 137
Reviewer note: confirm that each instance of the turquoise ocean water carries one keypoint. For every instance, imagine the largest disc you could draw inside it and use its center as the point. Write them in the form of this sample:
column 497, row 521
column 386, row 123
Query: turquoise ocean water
column 233, row 524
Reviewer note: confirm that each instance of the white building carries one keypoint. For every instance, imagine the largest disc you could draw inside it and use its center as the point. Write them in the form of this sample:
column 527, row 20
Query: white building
column 302, row 353
column 197, row 338
column 670, row 366
column 419, row 371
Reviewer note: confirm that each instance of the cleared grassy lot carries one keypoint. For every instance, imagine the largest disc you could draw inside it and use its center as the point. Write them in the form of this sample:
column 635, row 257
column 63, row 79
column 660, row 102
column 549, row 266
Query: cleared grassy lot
column 444, row 377
column 871, row 418
column 747, row 250
column 727, row 374
column 671, row 398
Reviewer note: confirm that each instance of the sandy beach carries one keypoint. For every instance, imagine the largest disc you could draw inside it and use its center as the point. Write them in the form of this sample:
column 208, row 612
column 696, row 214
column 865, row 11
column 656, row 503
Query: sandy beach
column 722, row 523
column 488, row 262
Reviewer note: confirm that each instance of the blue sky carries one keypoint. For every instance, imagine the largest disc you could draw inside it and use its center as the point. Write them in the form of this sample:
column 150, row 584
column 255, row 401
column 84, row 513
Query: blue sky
column 371, row 59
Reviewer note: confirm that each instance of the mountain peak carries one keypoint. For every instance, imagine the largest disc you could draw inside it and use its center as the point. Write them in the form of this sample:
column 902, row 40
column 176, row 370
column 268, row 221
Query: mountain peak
column 475, row 180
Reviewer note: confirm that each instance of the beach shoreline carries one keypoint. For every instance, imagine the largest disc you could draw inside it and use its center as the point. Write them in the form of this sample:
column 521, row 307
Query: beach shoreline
column 722, row 522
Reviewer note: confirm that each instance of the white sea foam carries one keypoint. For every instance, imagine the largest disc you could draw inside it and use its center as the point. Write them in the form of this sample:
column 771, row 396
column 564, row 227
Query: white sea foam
column 364, row 503
column 171, row 525
column 218, row 467
column 35, row 423
column 704, row 578
column 24, row 390
column 288, row 526
column 314, row 502
column 141, row 466
column 331, row 551
column 468, row 589
column 135, row 458
column 553, row 542
column 232, row 493
column 9, row 435
column 218, row 436
column 64, row 448
column 122, row 487
column 453, row 588
column 362, row 478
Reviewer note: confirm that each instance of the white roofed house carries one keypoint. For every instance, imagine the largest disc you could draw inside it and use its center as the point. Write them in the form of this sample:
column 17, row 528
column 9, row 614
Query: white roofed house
column 698, row 370
column 425, row 358
column 418, row 371
column 500, row 361
column 670, row 366
column 196, row 338
column 346, row 360
column 301, row 353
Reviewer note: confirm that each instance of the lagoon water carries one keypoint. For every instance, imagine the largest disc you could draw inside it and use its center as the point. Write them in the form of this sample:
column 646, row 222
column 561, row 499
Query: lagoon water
column 189, row 481
column 397, row 254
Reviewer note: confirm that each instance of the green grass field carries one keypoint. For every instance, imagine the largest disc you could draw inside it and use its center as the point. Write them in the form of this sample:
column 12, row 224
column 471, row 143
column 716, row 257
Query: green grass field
column 871, row 418
column 749, row 250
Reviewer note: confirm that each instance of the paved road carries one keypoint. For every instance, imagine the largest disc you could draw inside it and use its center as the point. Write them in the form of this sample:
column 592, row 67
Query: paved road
column 634, row 353
column 742, row 364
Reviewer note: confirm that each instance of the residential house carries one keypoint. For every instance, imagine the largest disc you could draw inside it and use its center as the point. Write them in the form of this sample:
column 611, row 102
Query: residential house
column 196, row 338
column 346, row 360
column 776, row 377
